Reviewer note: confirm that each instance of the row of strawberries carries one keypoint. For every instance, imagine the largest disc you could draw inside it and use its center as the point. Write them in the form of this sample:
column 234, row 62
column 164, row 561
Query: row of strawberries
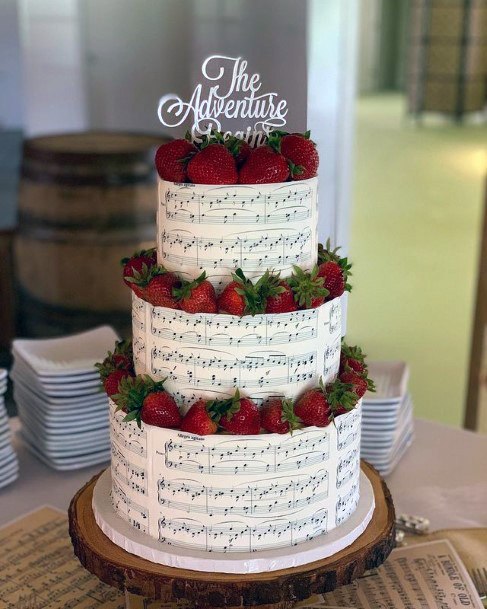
column 143, row 399
column 270, row 294
column 226, row 159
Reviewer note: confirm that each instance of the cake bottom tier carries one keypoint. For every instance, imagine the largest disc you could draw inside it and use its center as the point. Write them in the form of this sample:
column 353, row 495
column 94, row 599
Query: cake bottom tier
column 224, row 493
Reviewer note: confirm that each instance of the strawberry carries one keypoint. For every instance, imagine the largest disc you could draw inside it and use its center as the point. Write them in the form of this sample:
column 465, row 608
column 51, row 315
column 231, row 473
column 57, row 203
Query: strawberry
column 159, row 290
column 239, row 148
column 282, row 302
column 112, row 381
column 213, row 164
column 263, row 166
column 360, row 382
column 333, row 279
column 140, row 263
column 341, row 396
column 197, row 296
column 231, row 301
column 313, row 408
column 116, row 366
column 301, row 154
column 242, row 417
column 144, row 399
column 199, row 419
column 354, row 358
column 278, row 416
column 335, row 271
column 172, row 159
column 308, row 289
column 159, row 408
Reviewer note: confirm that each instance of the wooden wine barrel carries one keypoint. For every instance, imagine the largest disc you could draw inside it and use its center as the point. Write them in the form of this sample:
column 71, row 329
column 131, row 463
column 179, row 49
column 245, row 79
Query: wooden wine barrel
column 86, row 200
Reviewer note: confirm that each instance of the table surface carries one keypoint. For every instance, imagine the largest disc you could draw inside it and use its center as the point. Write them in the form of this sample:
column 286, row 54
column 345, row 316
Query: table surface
column 443, row 476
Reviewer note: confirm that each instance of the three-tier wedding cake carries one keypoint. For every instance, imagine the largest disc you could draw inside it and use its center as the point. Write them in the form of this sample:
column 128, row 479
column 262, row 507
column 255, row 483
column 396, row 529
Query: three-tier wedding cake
column 235, row 412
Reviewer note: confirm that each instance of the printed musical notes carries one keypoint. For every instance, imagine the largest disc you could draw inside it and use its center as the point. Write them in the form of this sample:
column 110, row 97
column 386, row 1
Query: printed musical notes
column 346, row 504
column 235, row 493
column 348, row 429
column 237, row 537
column 212, row 354
column 258, row 499
column 218, row 229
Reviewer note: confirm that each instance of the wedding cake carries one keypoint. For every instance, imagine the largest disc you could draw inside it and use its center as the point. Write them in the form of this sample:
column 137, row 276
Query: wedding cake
column 235, row 410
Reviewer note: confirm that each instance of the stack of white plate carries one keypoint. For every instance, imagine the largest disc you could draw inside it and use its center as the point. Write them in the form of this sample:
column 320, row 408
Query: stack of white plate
column 8, row 458
column 387, row 416
column 64, row 413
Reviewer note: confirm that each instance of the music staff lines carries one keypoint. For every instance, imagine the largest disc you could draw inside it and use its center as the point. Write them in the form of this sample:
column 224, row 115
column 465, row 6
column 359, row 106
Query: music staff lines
column 231, row 382
column 226, row 340
column 222, row 322
column 255, row 208
column 136, row 441
column 225, row 536
column 247, row 459
column 131, row 475
column 118, row 495
column 248, row 252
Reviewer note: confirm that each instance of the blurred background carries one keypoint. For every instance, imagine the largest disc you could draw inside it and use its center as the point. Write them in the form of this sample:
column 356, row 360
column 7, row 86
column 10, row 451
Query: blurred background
column 394, row 92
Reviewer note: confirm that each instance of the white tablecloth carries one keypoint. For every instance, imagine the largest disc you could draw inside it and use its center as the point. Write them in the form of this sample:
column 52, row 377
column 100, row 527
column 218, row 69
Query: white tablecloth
column 443, row 476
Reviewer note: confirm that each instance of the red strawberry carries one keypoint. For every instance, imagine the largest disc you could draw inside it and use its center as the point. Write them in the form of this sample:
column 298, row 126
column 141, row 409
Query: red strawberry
column 197, row 296
column 334, row 269
column 301, row 152
column 282, row 302
column 341, row 396
column 358, row 382
column 354, row 358
column 309, row 291
column 230, row 301
column 172, row 159
column 333, row 279
column 263, row 166
column 159, row 408
column 159, row 290
column 278, row 416
column 242, row 417
column 198, row 419
column 112, row 381
column 138, row 264
column 214, row 164
column 313, row 408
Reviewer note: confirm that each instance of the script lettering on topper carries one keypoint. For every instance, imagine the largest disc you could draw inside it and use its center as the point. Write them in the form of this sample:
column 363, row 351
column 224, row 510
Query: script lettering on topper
column 229, row 92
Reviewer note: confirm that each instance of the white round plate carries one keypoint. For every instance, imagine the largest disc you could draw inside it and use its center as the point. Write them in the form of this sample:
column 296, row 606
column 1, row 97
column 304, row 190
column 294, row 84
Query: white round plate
column 135, row 542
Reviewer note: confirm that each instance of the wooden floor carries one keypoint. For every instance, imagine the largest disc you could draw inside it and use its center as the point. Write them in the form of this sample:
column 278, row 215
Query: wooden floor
column 415, row 235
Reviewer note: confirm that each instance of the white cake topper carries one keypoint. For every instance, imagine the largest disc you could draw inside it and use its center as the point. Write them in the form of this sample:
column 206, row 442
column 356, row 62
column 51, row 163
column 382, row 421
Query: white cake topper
column 233, row 96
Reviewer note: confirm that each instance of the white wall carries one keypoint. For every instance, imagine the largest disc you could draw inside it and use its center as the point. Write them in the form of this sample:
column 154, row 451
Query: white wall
column 10, row 70
column 105, row 63
column 53, row 66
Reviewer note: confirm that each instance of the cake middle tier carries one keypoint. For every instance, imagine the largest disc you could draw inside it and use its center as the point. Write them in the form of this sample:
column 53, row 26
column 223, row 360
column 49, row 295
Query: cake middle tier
column 210, row 355
column 218, row 229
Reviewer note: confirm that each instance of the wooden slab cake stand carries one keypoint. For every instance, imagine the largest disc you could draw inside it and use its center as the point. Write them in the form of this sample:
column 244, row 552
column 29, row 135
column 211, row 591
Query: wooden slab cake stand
column 277, row 589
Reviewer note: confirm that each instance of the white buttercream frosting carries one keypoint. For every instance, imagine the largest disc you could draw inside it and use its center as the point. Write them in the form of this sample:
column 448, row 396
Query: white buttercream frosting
column 209, row 355
column 227, row 493
column 218, row 229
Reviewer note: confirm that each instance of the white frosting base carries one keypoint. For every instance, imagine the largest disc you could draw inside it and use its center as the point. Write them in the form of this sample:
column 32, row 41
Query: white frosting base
column 218, row 229
column 135, row 542
column 209, row 355
column 224, row 493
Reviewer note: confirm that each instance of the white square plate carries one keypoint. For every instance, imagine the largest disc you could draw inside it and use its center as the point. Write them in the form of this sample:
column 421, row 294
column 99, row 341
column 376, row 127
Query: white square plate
column 75, row 354
column 391, row 380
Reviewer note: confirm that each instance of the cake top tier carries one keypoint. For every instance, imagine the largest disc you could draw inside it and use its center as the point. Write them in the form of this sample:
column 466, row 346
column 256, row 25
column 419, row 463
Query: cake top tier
column 218, row 229
column 224, row 205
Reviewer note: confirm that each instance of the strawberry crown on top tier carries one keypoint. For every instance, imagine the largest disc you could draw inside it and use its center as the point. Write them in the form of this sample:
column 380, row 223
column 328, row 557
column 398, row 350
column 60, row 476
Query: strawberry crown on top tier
column 222, row 158
column 144, row 400
column 271, row 293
